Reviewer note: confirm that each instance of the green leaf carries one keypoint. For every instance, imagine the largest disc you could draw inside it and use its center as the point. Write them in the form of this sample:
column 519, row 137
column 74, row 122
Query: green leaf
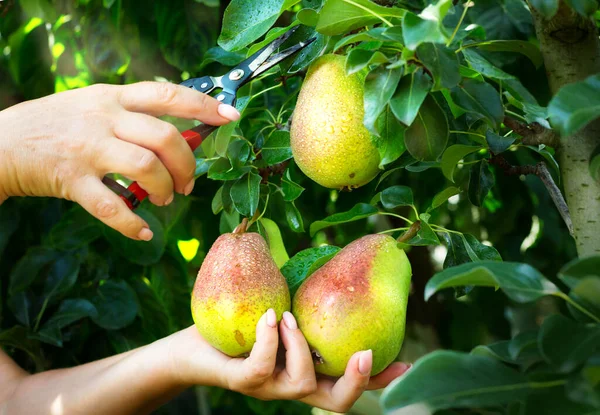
column 222, row 170
column 139, row 252
column 547, row 8
column 170, row 215
column 29, row 267
column 369, row 35
column 443, row 196
column 427, row 26
column 18, row 338
column 453, row 155
column 244, row 22
column 442, row 62
column 379, row 88
column 521, row 282
column 70, row 311
column 496, row 143
column 293, row 217
column 409, row 96
column 481, row 180
column 396, row 196
column 308, row 17
column 359, row 211
column 75, row 229
column 62, row 276
column 296, row 270
column 245, row 194
column 479, row 98
column 585, row 8
column 390, row 143
column 579, row 268
column 217, row 202
column 529, row 49
column 20, row 304
column 427, row 136
column 342, row 16
column 359, row 59
column 9, row 223
column 290, row 190
column 575, row 105
column 463, row 248
column 275, row 242
column 116, row 304
column 425, row 236
column 511, row 83
column 307, row 55
column 566, row 344
column 455, row 379
column 586, row 294
column 277, row 148
column 222, row 56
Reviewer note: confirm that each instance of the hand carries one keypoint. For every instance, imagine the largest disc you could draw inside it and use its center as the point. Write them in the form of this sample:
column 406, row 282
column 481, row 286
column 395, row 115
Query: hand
column 194, row 361
column 64, row 144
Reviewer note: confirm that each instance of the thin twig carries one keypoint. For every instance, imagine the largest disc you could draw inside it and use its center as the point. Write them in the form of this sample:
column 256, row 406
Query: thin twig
column 410, row 233
column 540, row 170
column 533, row 134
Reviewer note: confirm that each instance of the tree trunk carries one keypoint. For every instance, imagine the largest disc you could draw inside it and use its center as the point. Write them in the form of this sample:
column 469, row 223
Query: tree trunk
column 571, row 51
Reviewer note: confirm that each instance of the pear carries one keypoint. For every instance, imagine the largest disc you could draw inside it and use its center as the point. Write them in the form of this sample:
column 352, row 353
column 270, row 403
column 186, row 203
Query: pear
column 237, row 283
column 356, row 301
column 329, row 141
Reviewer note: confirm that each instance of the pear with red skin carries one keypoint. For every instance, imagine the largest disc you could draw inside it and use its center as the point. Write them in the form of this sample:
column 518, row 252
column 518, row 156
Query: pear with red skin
column 356, row 301
column 236, row 284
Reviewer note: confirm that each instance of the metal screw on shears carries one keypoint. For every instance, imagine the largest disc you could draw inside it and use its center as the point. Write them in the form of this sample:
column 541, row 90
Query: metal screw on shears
column 204, row 85
column 237, row 74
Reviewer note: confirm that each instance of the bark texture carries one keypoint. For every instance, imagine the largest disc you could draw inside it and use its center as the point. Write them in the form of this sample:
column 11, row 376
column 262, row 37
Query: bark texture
column 571, row 51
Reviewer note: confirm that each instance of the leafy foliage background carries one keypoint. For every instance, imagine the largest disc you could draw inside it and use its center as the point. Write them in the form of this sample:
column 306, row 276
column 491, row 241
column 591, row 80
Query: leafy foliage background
column 73, row 290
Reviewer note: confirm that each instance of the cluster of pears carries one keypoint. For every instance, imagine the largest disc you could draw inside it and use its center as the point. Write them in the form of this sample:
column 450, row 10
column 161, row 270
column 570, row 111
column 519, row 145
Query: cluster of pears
column 329, row 141
column 356, row 301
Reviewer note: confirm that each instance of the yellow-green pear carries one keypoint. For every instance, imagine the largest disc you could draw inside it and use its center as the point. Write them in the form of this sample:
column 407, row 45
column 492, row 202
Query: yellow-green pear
column 329, row 141
column 356, row 301
column 237, row 283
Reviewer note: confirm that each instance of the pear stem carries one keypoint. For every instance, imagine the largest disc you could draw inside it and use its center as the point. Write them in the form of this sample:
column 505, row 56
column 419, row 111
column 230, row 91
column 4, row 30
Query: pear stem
column 410, row 233
column 241, row 228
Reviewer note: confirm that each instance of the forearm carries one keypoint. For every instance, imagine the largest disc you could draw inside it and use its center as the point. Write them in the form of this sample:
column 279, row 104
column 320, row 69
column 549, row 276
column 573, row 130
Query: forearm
column 133, row 383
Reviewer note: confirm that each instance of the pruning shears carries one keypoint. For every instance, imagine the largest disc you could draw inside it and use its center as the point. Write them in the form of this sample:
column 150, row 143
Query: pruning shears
column 228, row 84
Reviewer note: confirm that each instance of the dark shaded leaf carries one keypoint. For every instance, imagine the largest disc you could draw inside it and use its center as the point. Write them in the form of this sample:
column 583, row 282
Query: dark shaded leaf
column 359, row 211
column 116, row 304
column 453, row 155
column 479, row 98
column 390, row 144
column 497, row 143
column 578, row 269
column 529, row 49
column 76, row 228
column 245, row 194
column 139, row 252
column 442, row 62
column 293, row 217
column 396, row 196
column 427, row 136
column 481, row 180
column 29, row 267
column 455, row 379
column 521, row 282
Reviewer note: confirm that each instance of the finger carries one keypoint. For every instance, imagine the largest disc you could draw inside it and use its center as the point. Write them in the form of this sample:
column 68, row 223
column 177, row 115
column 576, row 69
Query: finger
column 298, row 379
column 164, row 140
column 341, row 395
column 260, row 365
column 105, row 205
column 139, row 164
column 165, row 98
column 384, row 378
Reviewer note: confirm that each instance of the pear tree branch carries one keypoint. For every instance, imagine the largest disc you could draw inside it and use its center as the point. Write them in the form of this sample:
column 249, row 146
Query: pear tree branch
column 410, row 233
column 540, row 170
column 533, row 134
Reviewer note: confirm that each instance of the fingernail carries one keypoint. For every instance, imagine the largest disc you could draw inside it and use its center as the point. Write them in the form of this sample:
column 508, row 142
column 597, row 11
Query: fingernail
column 169, row 200
column 229, row 112
column 145, row 234
column 365, row 361
column 189, row 187
column 289, row 320
column 405, row 367
column 271, row 318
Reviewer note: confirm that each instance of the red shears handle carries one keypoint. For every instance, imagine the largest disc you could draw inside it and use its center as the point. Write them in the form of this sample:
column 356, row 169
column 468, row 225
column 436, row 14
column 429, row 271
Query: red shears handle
column 194, row 137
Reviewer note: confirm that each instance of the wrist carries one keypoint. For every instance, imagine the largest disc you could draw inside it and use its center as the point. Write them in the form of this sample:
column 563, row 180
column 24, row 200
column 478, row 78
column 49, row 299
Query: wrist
column 8, row 176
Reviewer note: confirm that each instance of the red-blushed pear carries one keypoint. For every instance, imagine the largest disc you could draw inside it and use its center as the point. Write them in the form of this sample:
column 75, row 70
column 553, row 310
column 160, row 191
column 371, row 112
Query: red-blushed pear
column 356, row 301
column 236, row 284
